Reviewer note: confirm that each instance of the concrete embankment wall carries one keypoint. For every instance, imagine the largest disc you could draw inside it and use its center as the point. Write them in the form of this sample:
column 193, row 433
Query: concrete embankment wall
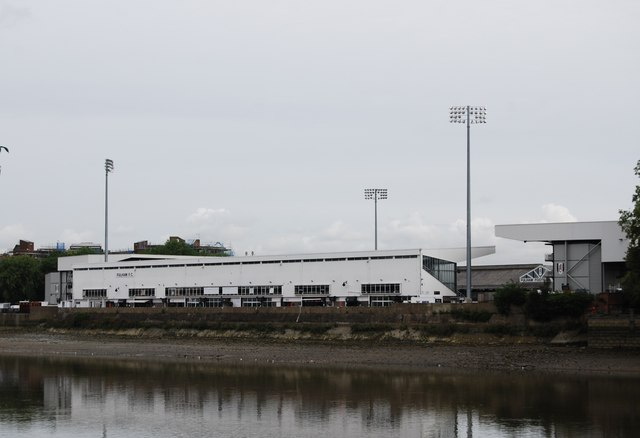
column 613, row 332
column 20, row 319
column 13, row 319
column 398, row 314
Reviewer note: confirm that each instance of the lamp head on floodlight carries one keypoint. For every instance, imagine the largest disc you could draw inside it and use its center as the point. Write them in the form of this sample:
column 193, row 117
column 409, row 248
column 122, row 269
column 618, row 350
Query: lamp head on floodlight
column 477, row 114
column 375, row 193
column 108, row 165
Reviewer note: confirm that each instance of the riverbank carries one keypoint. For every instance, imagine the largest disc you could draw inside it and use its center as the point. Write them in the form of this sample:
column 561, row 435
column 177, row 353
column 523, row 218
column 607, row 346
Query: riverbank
column 505, row 354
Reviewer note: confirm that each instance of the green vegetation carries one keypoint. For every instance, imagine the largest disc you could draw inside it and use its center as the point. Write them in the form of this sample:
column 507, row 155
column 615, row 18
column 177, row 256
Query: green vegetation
column 21, row 278
column 177, row 327
column 541, row 305
column 511, row 294
column 545, row 307
column 630, row 223
column 179, row 247
column 471, row 315
column 173, row 247
column 369, row 328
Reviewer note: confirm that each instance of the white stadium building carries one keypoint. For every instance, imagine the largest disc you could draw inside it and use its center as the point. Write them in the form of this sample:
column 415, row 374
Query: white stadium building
column 371, row 278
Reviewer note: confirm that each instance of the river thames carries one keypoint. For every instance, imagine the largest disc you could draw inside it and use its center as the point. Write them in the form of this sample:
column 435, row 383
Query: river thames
column 103, row 398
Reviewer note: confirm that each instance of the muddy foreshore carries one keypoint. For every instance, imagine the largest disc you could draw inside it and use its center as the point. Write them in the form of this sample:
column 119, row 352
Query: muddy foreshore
column 455, row 354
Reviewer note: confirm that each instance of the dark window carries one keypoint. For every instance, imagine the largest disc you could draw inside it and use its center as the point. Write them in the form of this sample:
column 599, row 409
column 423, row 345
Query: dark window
column 142, row 292
column 312, row 289
column 184, row 291
column 260, row 290
column 380, row 288
column 94, row 293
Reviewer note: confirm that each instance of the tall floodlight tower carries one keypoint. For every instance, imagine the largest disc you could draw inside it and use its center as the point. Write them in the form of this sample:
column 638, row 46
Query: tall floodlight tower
column 375, row 194
column 108, row 168
column 469, row 115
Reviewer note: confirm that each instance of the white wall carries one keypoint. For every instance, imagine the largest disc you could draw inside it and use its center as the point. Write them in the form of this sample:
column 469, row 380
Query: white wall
column 353, row 274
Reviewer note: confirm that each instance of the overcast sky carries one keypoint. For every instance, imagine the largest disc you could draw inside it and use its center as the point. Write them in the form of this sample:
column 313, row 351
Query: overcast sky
column 258, row 123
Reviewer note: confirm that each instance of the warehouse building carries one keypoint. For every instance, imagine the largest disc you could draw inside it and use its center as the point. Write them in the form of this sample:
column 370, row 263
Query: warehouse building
column 372, row 278
column 586, row 256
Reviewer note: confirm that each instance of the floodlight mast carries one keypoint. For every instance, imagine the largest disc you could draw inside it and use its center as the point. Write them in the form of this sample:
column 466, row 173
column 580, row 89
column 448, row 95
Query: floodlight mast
column 375, row 194
column 468, row 115
column 108, row 168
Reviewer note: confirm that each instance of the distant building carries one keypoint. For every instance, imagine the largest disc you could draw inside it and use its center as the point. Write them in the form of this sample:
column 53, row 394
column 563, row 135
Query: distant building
column 27, row 248
column 94, row 248
column 23, row 247
column 585, row 257
column 214, row 249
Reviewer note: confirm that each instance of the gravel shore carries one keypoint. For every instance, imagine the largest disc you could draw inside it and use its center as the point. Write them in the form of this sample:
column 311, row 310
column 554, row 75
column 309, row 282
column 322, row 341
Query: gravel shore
column 509, row 356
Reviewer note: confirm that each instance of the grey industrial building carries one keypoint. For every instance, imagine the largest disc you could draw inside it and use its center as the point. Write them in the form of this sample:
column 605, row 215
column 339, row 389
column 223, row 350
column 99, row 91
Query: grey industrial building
column 586, row 256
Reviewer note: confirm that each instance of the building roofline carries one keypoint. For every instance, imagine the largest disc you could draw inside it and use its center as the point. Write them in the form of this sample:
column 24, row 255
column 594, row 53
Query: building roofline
column 480, row 250
column 558, row 223
column 609, row 233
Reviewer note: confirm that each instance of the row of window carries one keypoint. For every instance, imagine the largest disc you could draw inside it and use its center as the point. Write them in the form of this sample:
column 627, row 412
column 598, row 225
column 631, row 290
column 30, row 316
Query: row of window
column 383, row 288
column 383, row 301
column 142, row 292
column 306, row 289
column 260, row 290
column 253, row 262
column 94, row 293
column 257, row 302
column 184, row 291
column 312, row 289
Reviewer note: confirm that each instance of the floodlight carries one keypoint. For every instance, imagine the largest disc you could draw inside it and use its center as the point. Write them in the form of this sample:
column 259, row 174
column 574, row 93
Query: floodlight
column 108, row 167
column 375, row 194
column 468, row 115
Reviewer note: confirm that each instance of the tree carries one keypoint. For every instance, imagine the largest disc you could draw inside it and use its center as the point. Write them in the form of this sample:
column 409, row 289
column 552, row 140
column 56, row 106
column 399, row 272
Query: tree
column 173, row 247
column 507, row 295
column 630, row 223
column 21, row 279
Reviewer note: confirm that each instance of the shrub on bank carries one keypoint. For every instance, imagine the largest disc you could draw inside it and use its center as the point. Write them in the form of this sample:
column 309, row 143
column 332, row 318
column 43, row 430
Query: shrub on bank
column 546, row 307
column 471, row 315
column 541, row 305
column 510, row 294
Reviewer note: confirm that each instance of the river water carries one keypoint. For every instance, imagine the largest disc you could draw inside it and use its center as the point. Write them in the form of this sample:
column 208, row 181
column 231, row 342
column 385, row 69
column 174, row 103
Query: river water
column 98, row 398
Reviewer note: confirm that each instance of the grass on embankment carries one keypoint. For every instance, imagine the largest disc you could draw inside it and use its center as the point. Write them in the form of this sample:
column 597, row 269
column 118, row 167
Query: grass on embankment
column 462, row 328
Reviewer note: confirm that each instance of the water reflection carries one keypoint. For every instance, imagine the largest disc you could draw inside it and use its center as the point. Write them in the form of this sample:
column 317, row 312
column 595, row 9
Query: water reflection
column 45, row 397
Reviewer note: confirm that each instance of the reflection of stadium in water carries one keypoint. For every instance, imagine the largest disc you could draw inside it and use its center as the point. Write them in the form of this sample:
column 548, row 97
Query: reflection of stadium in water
column 147, row 399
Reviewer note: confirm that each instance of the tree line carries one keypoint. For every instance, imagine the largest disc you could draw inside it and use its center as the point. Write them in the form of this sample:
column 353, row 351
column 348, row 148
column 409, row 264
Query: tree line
column 22, row 277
